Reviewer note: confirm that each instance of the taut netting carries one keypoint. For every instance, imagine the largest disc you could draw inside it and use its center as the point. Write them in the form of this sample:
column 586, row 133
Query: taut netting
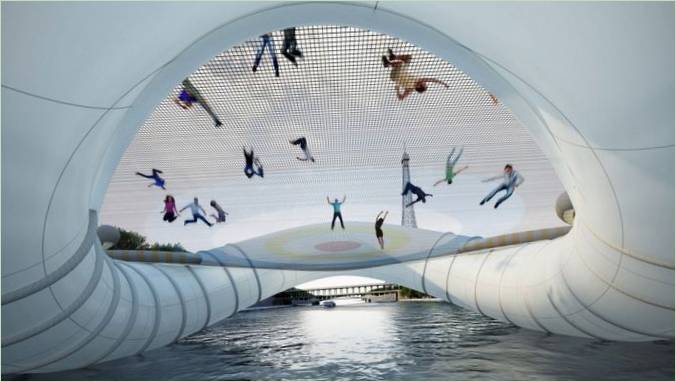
column 340, row 97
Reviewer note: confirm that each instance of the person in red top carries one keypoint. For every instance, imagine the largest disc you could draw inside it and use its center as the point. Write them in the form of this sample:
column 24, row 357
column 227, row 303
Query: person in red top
column 169, row 211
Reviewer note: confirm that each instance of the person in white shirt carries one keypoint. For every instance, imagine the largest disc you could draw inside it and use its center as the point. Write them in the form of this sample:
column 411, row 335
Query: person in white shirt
column 195, row 208
column 303, row 146
column 511, row 179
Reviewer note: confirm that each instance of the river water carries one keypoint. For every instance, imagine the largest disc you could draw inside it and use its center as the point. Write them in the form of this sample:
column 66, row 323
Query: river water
column 394, row 341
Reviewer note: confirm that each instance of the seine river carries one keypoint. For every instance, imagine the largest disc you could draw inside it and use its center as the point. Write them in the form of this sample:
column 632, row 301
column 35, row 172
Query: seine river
column 394, row 341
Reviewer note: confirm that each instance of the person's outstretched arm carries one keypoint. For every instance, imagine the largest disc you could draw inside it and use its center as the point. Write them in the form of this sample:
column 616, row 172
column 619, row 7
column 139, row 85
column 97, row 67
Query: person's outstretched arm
column 379, row 213
column 439, row 181
column 327, row 200
column 344, row 197
column 519, row 179
column 434, row 80
column 385, row 217
column 492, row 179
column 184, row 208
column 461, row 169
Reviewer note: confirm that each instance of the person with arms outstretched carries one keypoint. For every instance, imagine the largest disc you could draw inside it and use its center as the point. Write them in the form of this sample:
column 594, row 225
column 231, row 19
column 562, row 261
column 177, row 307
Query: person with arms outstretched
column 417, row 191
column 379, row 228
column 189, row 95
column 511, row 179
column 195, row 208
column 450, row 164
column 250, row 160
column 303, row 146
column 169, row 211
column 157, row 179
column 406, row 83
column 290, row 46
column 267, row 41
column 336, row 211
column 220, row 217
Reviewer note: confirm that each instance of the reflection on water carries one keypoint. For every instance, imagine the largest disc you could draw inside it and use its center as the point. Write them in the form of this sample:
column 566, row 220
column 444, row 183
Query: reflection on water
column 404, row 341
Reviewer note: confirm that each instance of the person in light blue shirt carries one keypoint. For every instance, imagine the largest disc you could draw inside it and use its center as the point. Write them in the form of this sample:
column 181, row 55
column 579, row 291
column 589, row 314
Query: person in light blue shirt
column 511, row 179
column 336, row 211
column 195, row 208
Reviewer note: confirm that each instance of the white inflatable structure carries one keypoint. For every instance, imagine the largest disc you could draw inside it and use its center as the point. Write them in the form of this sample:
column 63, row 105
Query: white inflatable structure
column 594, row 83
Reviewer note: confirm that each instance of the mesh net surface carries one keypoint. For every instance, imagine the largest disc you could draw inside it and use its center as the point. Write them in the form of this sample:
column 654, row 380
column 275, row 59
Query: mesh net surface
column 341, row 98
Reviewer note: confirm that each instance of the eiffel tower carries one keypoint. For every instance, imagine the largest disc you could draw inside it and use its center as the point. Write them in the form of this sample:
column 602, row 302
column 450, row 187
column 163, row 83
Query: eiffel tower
column 407, row 213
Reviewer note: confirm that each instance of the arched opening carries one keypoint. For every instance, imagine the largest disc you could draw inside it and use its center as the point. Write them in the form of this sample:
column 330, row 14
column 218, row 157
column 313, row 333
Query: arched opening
column 340, row 97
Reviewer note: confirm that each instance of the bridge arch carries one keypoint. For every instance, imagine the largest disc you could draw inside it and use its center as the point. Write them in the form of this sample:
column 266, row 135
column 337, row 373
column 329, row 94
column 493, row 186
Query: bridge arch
column 609, row 278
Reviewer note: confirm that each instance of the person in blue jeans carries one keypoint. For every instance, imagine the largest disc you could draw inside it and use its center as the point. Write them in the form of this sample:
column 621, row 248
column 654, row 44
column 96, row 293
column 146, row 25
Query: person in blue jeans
column 157, row 179
column 511, row 179
column 250, row 160
column 267, row 41
column 195, row 208
column 336, row 211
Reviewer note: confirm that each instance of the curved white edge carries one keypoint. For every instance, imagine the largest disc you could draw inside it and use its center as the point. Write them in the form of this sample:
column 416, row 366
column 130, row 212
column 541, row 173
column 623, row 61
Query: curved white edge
column 610, row 139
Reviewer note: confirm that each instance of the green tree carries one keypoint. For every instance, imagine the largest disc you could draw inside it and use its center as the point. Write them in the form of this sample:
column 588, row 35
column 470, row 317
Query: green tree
column 130, row 240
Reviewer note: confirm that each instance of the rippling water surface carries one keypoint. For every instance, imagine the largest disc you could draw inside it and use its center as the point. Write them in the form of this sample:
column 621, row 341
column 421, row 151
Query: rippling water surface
column 402, row 341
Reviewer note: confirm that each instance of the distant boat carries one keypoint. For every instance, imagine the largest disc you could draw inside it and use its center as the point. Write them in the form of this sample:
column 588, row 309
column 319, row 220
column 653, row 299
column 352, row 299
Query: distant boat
column 342, row 301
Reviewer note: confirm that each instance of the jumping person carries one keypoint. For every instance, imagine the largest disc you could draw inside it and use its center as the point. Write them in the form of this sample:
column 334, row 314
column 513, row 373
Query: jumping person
column 220, row 218
column 169, row 211
column 511, row 179
column 250, row 160
column 189, row 95
column 417, row 191
column 493, row 98
column 336, row 211
column 195, row 208
column 267, row 41
column 379, row 230
column 290, row 47
column 405, row 82
column 158, row 181
column 303, row 145
column 450, row 163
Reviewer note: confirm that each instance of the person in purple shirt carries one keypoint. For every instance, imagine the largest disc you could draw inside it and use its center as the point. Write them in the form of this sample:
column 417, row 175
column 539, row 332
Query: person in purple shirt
column 157, row 179
column 189, row 95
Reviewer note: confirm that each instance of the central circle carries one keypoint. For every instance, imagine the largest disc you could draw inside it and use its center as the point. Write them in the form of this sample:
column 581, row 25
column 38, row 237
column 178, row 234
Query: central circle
column 337, row 246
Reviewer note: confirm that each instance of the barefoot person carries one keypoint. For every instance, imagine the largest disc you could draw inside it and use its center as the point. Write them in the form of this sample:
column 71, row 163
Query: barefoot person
column 303, row 146
column 406, row 83
column 336, row 211
column 157, row 179
column 220, row 214
column 417, row 191
column 379, row 228
column 450, row 164
column 195, row 208
column 511, row 179
column 189, row 95
column 169, row 211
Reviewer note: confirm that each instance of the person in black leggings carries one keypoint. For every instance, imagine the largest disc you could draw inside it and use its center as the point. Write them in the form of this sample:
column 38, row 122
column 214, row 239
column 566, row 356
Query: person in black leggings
column 417, row 191
column 290, row 46
column 302, row 142
column 379, row 230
